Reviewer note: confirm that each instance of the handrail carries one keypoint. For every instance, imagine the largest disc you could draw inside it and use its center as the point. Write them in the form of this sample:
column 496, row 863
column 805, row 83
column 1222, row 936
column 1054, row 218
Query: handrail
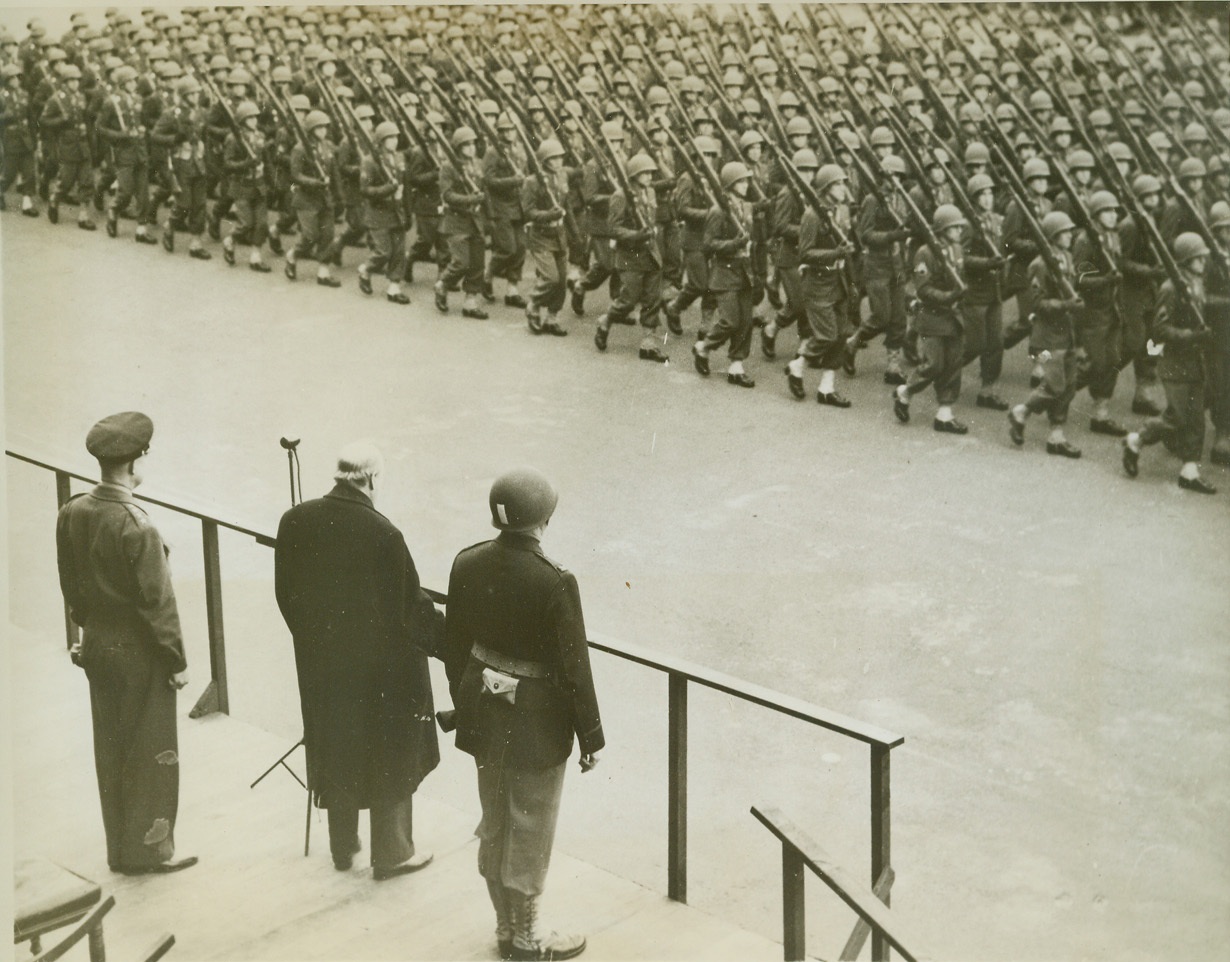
column 800, row 851
column 680, row 673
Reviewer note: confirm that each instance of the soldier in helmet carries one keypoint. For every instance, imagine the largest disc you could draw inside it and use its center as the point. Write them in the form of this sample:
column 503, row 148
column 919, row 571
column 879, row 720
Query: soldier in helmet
column 1186, row 343
column 939, row 285
column 543, row 203
column 784, row 243
column 1022, row 248
column 981, row 307
column 1053, row 337
column 1143, row 274
column 596, row 190
column 312, row 200
column 1217, row 311
column 180, row 131
column 692, row 202
column 120, row 125
column 382, row 182
column 423, row 178
column 64, row 128
column 519, row 675
column 632, row 222
column 19, row 139
column 243, row 156
column 503, row 176
column 460, row 190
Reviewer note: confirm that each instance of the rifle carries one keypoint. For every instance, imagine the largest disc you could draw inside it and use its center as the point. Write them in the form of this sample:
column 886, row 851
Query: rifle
column 808, row 193
column 401, row 116
column 929, row 238
column 544, row 183
column 372, row 150
column 332, row 107
column 660, row 76
column 962, row 199
column 286, row 114
column 911, row 156
column 231, row 119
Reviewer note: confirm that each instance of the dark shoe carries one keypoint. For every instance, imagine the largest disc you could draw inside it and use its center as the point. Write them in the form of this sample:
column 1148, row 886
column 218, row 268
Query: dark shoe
column 768, row 345
column 259, row 266
column 552, row 328
column 795, row 384
column 475, row 312
column 673, row 323
column 113, row 227
column 159, row 868
column 700, row 361
column 275, row 245
column 1034, row 381
column 992, row 401
column 901, row 409
column 329, row 281
column 578, row 300
column 1016, row 429
column 847, row 360
column 343, row 863
column 53, row 212
column 740, row 380
column 652, row 354
column 601, row 334
column 833, row 400
column 1107, row 426
column 514, row 300
column 168, row 241
column 365, row 283
column 398, row 298
column 200, row 253
column 505, row 948
column 228, row 253
column 441, row 297
column 1131, row 460
column 894, row 377
column 488, row 292
column 1142, row 405
column 408, row 276
column 554, row 947
column 291, row 270
column 405, row 868
column 1199, row 485
column 29, row 212
column 949, row 427
column 1065, row 449
column 87, row 225
column 145, row 239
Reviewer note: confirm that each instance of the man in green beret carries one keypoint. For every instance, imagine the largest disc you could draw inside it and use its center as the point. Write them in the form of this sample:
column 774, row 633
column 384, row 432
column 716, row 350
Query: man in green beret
column 115, row 578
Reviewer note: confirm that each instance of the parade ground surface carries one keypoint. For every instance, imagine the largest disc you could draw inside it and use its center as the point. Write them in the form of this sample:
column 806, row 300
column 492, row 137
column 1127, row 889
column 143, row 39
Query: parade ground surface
column 1049, row 636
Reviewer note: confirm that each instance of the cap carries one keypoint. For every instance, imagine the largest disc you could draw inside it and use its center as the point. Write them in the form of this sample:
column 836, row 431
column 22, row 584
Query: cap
column 120, row 437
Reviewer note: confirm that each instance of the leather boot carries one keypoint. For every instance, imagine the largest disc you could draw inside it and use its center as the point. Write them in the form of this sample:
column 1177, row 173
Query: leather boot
column 502, row 902
column 528, row 945
column 893, row 374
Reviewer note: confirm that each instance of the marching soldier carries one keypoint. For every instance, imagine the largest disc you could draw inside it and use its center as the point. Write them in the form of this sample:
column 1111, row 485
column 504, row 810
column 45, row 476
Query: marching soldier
column 120, row 125
column 1100, row 331
column 244, row 159
column 542, row 202
column 63, row 124
column 463, row 201
column 692, row 202
column 597, row 189
column 181, row 131
column 503, row 176
column 19, row 141
column 312, row 199
column 382, row 182
column 981, row 307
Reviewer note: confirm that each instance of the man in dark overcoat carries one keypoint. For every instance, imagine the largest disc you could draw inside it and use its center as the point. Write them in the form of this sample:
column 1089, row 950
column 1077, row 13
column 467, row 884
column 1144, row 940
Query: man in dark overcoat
column 362, row 627
column 519, row 673
column 115, row 578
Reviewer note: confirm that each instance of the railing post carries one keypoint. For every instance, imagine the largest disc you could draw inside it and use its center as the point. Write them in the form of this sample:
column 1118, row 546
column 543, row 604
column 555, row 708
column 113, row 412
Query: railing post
column 677, row 789
column 215, row 698
column 64, row 491
column 794, row 918
column 881, row 835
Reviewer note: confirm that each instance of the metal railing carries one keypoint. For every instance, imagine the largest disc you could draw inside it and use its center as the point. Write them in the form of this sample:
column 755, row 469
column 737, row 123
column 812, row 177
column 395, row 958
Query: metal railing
column 680, row 675
column 799, row 852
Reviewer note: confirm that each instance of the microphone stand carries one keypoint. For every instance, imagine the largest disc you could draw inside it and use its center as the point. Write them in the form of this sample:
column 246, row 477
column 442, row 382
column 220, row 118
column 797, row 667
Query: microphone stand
column 296, row 496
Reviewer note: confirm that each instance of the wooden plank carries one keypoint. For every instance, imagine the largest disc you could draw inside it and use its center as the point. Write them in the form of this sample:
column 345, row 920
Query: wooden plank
column 858, row 937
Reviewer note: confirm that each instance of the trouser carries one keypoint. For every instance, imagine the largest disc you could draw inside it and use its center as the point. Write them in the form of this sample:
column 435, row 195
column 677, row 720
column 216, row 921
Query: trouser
column 74, row 176
column 1054, row 393
column 1102, row 339
column 1220, row 401
column 190, row 202
column 886, row 300
column 550, row 271
column 984, row 339
column 388, row 254
column 794, row 306
column 517, row 831
column 638, row 287
column 601, row 266
column 133, row 185
column 135, row 750
column 1138, row 307
column 162, row 187
column 392, row 831
column 1181, row 425
column 465, row 263
column 695, row 284
column 1026, row 299
column 941, row 363
column 19, row 169
column 507, row 250
column 734, row 324
column 316, row 240
column 827, row 328
column 252, row 220
column 672, row 255
column 578, row 242
column 429, row 243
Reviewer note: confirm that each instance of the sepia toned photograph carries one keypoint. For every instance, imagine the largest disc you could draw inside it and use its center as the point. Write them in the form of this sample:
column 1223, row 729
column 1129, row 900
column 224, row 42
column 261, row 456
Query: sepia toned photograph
column 641, row 481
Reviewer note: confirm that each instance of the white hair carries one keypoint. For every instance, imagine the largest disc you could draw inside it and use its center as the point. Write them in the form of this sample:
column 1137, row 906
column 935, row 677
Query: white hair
column 358, row 462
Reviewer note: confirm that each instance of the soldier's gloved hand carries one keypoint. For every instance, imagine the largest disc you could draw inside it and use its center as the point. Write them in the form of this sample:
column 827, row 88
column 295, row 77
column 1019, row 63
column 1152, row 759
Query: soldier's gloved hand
column 588, row 762
column 179, row 679
column 1073, row 303
column 74, row 653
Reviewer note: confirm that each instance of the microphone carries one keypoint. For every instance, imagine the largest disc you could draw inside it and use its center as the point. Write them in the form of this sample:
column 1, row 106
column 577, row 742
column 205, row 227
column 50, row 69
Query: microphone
column 288, row 444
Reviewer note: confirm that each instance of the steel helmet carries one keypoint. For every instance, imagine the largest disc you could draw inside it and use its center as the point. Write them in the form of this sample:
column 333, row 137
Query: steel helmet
column 1193, row 89
column 657, row 97
column 1060, row 125
column 542, row 72
column 750, row 138
column 1172, row 101
column 1005, row 111
column 692, row 85
column 316, row 118
column 125, row 74
column 893, row 165
column 911, row 95
column 1119, row 151
column 1159, row 140
column 550, row 148
column 1195, row 133
column 1102, row 200
column 750, row 105
column 1146, row 184
column 434, row 117
column 239, row 76
column 365, row 112
column 300, row 102
column 1080, row 160
column 798, row 126
column 281, row 74
column 977, row 153
column 1099, row 117
column 1188, row 245
column 1192, row 167
column 1217, row 165
column 1040, row 100
column 245, row 110
column 882, row 137
column 505, row 122
column 187, row 85
column 461, row 136
column 1055, row 223
column 829, row 86
column 70, row 72
column 805, row 159
column 1219, row 214
column 488, row 108
column 828, row 175
column 732, row 173
column 611, row 130
column 978, row 183
column 521, row 499
column 971, row 113
column 640, row 164
column 1035, row 168
column 386, row 129
column 788, row 98
column 948, row 215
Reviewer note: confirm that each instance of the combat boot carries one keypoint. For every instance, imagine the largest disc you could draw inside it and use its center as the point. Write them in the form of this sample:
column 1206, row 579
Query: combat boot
column 528, row 945
column 53, row 207
column 501, row 900
column 892, row 372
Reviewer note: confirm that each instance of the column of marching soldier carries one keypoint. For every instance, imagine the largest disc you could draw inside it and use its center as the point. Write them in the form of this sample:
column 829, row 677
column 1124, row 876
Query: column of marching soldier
column 780, row 168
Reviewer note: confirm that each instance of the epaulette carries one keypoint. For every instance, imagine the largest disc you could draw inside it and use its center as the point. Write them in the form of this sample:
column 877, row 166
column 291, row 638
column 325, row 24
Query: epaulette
column 554, row 564
column 139, row 517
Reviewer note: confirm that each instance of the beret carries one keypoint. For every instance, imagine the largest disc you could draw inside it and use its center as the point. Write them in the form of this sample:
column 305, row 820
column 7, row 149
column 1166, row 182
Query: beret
column 120, row 437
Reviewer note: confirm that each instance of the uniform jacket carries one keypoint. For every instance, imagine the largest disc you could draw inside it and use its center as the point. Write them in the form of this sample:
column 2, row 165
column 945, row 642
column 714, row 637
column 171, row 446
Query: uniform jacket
column 1052, row 328
column 63, row 123
column 939, row 315
column 423, row 177
column 692, row 206
column 119, row 125
column 1185, row 356
column 507, row 596
column 180, row 130
column 1019, row 243
column 503, row 182
column 245, row 165
column 730, row 260
column 784, row 227
column 311, row 189
column 636, row 247
column 544, row 231
column 362, row 627
column 827, row 279
column 984, row 267
column 15, row 115
column 596, row 190
column 462, row 205
column 382, row 212
column 1095, row 282
column 884, row 255
column 115, row 577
